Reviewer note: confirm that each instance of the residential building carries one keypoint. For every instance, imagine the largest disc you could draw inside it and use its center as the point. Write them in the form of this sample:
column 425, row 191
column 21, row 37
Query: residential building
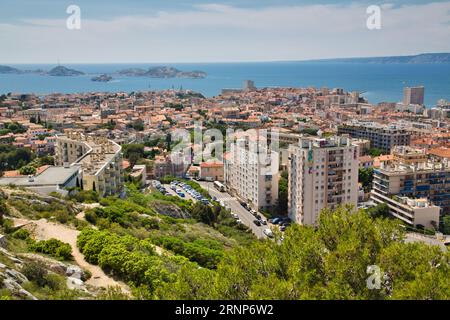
column 413, row 95
column 323, row 173
column 381, row 137
column 212, row 171
column 100, row 160
column 409, row 174
column 251, row 170
column 48, row 179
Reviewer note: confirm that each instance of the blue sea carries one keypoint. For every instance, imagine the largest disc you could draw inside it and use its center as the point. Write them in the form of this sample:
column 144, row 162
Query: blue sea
column 377, row 82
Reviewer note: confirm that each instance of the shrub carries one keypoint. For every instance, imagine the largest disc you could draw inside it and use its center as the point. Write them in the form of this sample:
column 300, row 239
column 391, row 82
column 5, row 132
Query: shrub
column 54, row 248
column 8, row 225
column 36, row 272
column 22, row 234
column 62, row 216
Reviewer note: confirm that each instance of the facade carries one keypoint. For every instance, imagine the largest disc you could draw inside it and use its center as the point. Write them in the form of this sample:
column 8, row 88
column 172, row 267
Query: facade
column 252, row 171
column 413, row 95
column 212, row 171
column 323, row 173
column 99, row 158
column 175, row 165
column 381, row 137
column 403, row 177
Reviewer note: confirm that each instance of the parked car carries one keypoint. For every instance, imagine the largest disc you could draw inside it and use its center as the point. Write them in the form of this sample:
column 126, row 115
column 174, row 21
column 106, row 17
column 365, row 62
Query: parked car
column 257, row 222
column 276, row 220
column 234, row 215
column 264, row 222
column 283, row 228
column 268, row 233
column 258, row 217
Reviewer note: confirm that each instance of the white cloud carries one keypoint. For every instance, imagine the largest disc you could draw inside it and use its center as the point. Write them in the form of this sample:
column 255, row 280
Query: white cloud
column 217, row 32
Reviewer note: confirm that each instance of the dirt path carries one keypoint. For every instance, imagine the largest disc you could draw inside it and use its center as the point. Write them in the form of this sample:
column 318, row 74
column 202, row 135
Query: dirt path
column 44, row 230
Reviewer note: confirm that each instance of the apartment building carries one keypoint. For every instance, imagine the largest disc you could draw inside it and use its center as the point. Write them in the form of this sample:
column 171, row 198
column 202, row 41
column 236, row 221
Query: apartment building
column 381, row 137
column 323, row 173
column 212, row 171
column 100, row 160
column 410, row 174
column 251, row 170
column 413, row 95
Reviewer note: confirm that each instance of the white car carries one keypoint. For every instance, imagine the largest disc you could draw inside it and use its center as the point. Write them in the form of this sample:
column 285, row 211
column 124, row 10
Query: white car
column 234, row 215
column 268, row 233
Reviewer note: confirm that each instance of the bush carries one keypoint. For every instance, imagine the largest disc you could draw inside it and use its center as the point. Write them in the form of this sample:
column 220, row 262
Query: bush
column 54, row 248
column 27, row 170
column 21, row 234
column 36, row 272
column 62, row 217
column 8, row 225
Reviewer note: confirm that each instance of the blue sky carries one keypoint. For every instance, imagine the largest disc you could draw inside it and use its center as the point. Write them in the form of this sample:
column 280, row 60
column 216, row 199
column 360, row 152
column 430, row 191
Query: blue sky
column 208, row 31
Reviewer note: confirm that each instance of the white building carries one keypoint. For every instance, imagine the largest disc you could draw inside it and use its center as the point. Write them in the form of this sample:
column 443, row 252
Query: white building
column 251, row 171
column 323, row 172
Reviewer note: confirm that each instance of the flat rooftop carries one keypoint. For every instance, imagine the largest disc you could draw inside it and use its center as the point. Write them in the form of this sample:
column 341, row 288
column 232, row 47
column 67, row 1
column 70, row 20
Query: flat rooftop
column 49, row 177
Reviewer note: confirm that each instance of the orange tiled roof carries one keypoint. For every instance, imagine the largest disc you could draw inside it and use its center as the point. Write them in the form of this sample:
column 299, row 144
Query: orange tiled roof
column 440, row 152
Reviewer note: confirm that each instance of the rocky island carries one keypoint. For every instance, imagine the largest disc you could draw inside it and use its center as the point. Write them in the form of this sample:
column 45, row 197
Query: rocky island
column 102, row 78
column 162, row 72
column 61, row 71
column 9, row 70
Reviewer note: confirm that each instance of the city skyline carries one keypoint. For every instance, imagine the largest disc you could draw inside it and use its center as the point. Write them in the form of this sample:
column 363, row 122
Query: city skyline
column 218, row 31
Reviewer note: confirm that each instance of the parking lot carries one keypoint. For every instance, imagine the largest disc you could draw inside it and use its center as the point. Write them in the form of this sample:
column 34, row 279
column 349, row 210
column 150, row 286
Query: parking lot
column 179, row 189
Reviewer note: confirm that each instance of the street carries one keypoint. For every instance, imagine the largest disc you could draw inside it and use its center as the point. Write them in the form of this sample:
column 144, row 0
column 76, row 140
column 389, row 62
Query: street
column 233, row 204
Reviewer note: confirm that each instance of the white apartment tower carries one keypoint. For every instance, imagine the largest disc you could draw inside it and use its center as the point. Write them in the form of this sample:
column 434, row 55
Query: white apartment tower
column 323, row 172
column 251, row 171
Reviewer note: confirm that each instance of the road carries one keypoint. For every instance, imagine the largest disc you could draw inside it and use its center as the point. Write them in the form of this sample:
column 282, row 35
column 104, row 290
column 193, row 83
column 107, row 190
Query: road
column 233, row 204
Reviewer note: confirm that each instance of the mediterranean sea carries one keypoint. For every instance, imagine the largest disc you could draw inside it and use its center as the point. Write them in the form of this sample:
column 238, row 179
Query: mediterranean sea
column 376, row 82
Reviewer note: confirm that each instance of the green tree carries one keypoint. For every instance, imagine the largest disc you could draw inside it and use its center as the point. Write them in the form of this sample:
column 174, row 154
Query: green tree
column 365, row 177
column 27, row 170
column 375, row 152
column 445, row 224
column 203, row 213
column 282, row 194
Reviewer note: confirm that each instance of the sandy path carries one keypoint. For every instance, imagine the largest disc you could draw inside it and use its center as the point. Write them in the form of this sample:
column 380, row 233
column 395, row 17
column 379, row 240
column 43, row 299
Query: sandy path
column 44, row 230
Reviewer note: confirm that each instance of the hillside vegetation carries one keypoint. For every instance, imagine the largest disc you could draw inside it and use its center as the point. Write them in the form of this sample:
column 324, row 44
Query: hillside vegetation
column 168, row 248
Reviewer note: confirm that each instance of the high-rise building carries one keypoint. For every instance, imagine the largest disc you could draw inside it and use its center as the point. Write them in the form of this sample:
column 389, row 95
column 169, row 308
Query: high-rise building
column 413, row 95
column 323, row 172
column 381, row 137
column 410, row 175
column 100, row 160
column 249, row 85
column 252, row 170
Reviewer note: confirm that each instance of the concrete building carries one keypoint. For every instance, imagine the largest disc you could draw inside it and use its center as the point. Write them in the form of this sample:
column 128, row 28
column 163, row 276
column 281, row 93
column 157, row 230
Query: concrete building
column 171, row 165
column 99, row 158
column 323, row 172
column 52, row 179
column 252, row 170
column 249, row 85
column 139, row 174
column 410, row 174
column 413, row 95
column 212, row 171
column 381, row 137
